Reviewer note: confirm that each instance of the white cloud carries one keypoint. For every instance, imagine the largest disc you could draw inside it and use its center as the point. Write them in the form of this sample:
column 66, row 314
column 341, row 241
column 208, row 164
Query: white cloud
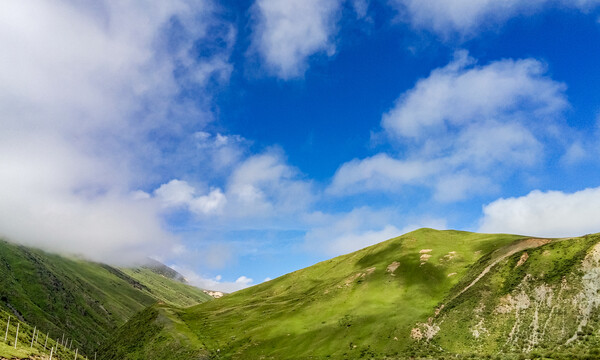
column 467, row 16
column 462, row 93
column 287, row 33
column 261, row 186
column 264, row 185
column 213, row 202
column 175, row 193
column 215, row 283
column 552, row 214
column 178, row 193
column 380, row 172
column 83, row 87
column 464, row 126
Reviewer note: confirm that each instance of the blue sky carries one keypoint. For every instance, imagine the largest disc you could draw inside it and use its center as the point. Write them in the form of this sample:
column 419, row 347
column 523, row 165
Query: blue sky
column 238, row 141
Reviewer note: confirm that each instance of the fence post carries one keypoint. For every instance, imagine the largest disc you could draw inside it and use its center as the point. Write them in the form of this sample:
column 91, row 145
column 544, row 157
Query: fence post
column 33, row 336
column 76, row 351
column 17, row 336
column 51, row 351
column 8, row 323
column 46, row 343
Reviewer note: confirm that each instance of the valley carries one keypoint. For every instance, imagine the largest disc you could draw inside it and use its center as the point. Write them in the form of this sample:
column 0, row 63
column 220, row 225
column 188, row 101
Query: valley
column 427, row 294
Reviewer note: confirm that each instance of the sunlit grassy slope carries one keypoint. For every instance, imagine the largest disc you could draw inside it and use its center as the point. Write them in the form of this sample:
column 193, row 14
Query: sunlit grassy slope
column 84, row 300
column 364, row 304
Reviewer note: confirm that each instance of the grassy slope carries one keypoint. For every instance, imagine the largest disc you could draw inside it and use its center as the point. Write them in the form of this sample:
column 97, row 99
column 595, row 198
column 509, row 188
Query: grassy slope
column 331, row 309
column 346, row 307
column 84, row 300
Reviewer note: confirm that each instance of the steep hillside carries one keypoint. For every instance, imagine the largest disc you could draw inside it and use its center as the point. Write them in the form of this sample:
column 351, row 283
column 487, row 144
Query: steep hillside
column 543, row 301
column 85, row 301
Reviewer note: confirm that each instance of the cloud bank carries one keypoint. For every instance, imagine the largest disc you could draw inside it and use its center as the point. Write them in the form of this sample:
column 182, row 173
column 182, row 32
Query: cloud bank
column 551, row 214
column 84, row 85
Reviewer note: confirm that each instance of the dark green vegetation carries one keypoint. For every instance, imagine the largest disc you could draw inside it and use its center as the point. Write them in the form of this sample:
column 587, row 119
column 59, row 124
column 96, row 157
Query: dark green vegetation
column 428, row 294
column 86, row 301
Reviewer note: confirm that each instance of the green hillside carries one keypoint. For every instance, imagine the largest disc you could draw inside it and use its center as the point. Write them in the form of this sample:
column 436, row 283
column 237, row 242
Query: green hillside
column 86, row 301
column 363, row 304
column 425, row 295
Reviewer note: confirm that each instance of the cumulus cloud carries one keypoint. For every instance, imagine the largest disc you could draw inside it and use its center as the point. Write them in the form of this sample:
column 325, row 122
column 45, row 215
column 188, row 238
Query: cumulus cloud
column 266, row 184
column 379, row 172
column 551, row 214
column 462, row 93
column 178, row 193
column 467, row 16
column 261, row 186
column 461, row 125
column 84, row 85
column 287, row 33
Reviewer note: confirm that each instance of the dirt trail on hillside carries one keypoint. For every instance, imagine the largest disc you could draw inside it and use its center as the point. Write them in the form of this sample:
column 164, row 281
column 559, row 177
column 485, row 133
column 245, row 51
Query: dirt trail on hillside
column 504, row 253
